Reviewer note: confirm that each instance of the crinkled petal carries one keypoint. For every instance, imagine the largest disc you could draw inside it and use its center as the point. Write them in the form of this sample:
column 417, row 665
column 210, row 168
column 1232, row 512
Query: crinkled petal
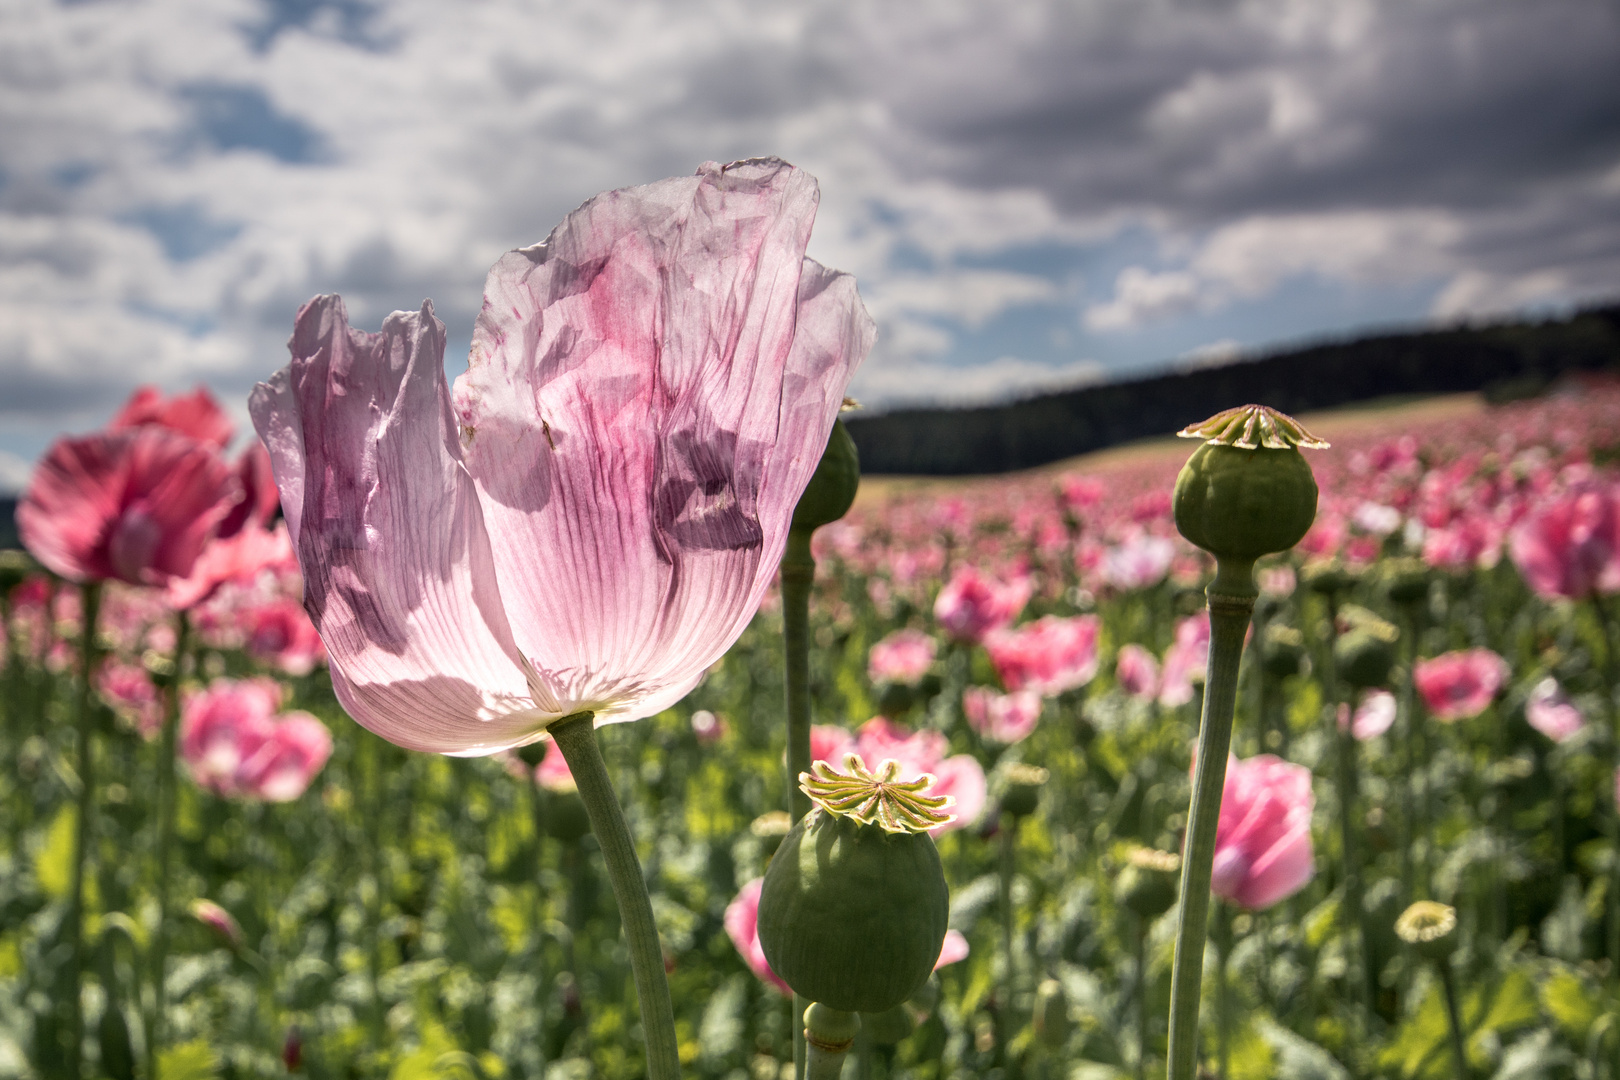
column 389, row 534
column 648, row 393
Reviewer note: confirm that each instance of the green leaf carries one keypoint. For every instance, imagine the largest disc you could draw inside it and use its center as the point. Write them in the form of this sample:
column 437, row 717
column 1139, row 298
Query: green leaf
column 1572, row 1002
column 1512, row 1005
column 193, row 1060
column 1299, row 1058
column 1251, row 1056
column 53, row 865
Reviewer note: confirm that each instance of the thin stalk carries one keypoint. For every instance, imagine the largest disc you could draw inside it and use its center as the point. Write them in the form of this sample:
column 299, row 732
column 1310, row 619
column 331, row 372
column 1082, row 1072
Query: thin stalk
column 1459, row 1049
column 798, row 574
column 84, row 833
column 1141, row 927
column 576, row 738
column 1611, row 675
column 1004, row 1012
column 1231, row 601
column 1408, row 726
column 1363, row 990
column 165, row 845
column 1223, row 989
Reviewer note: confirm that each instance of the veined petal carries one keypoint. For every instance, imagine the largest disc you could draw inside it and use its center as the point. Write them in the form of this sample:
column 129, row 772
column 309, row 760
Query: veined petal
column 389, row 534
column 648, row 393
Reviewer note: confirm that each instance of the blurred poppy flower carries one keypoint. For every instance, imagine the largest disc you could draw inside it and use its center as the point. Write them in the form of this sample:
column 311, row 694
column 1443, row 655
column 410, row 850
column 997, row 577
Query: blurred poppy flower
column 1263, row 840
column 971, row 605
column 1137, row 671
column 902, row 657
column 195, row 415
column 1003, row 718
column 235, row 745
column 1570, row 546
column 1461, row 684
column 1550, row 711
column 1049, row 656
column 596, row 517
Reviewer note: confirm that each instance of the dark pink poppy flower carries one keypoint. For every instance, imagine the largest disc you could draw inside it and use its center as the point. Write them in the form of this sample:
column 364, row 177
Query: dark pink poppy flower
column 918, row 752
column 236, row 745
column 136, row 505
column 1458, row 685
column 240, row 559
column 1185, row 660
column 971, row 605
column 279, row 633
column 1137, row 671
column 1570, row 546
column 195, row 415
column 1049, row 656
column 597, row 516
column 1263, row 840
column 282, row 767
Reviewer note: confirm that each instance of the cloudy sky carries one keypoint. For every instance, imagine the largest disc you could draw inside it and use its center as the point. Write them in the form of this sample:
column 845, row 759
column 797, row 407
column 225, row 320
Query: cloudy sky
column 1032, row 193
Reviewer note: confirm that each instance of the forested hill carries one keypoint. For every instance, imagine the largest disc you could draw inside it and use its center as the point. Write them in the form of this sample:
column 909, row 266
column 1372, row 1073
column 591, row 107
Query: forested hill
column 1507, row 359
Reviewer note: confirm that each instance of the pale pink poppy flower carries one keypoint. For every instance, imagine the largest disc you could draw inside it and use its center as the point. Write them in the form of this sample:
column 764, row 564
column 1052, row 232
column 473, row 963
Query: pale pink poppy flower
column 1049, row 656
column 742, row 927
column 1187, row 656
column 708, row 727
column 282, row 767
column 1138, row 562
column 1002, row 718
column 1263, row 840
column 1376, row 518
column 129, row 691
column 1570, row 546
column 1137, row 671
column 830, row 744
column 1374, row 716
column 553, row 773
column 1550, row 711
column 1470, row 541
column 971, row 605
column 902, row 657
column 1458, row 685
column 600, row 513
column 1276, row 580
column 279, row 633
column 195, row 415
column 136, row 505
column 235, row 745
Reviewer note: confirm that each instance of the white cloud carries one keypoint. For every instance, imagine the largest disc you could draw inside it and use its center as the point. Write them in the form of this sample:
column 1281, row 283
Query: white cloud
column 913, row 382
column 15, row 472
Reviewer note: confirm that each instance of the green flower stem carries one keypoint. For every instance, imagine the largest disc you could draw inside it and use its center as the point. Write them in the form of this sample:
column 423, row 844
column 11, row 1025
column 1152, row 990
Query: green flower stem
column 1140, row 926
column 1611, row 675
column 1006, row 843
column 798, row 573
column 165, row 845
column 576, row 738
column 829, row 1034
column 1459, row 1046
column 84, row 833
column 1410, row 883
column 1231, row 602
column 1223, row 989
column 1353, row 914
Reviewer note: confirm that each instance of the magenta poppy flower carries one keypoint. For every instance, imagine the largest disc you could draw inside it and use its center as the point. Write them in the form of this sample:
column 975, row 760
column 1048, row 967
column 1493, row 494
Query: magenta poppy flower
column 553, row 772
column 742, row 927
column 1550, row 711
column 1458, row 685
column 282, row 767
column 596, row 517
column 279, row 633
column 1263, row 840
column 1186, row 658
column 902, row 657
column 1049, row 656
column 1570, row 545
column 136, row 505
column 240, row 559
column 195, row 415
column 1002, row 718
column 129, row 691
column 1137, row 671
column 830, row 744
column 971, row 605
column 960, row 776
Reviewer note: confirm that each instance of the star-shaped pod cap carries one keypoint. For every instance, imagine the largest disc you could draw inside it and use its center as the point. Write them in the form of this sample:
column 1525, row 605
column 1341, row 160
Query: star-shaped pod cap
column 878, row 797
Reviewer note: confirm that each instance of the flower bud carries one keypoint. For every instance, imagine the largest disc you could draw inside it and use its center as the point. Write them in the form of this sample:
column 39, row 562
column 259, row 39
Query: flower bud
column 854, row 906
column 1052, row 1023
column 1405, row 581
column 219, row 921
column 891, row 1027
column 1247, row 491
column 292, row 1050
column 1427, row 926
column 1327, row 576
column 832, row 487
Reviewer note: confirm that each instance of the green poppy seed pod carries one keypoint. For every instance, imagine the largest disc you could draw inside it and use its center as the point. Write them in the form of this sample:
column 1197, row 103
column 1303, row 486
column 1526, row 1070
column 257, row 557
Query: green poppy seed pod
column 1021, row 790
column 1148, row 884
column 15, row 566
column 1247, row 491
column 853, row 910
column 1365, row 653
column 891, row 1027
column 1406, row 581
column 1427, row 926
column 565, row 817
column 1327, row 576
column 1282, row 651
column 1052, row 1024
column 831, row 490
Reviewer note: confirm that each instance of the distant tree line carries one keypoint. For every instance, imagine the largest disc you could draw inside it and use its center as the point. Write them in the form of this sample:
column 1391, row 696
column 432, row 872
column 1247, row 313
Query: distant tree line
column 1505, row 360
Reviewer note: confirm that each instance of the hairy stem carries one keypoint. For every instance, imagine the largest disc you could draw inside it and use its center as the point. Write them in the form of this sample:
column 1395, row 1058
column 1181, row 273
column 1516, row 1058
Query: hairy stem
column 1459, row 1049
column 576, row 738
column 1231, row 601
column 84, row 833
column 798, row 573
column 165, row 845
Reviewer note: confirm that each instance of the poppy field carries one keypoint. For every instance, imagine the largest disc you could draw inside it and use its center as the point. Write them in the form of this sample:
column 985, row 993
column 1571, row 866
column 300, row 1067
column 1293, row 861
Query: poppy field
column 1425, row 713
